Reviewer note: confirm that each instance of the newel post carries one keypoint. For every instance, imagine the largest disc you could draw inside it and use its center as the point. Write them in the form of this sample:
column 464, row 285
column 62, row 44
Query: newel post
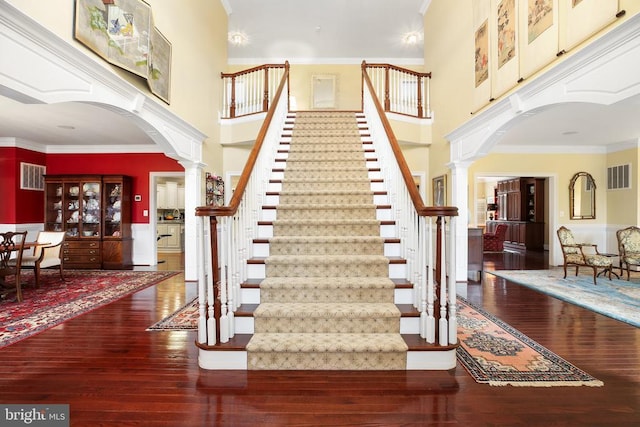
column 215, row 269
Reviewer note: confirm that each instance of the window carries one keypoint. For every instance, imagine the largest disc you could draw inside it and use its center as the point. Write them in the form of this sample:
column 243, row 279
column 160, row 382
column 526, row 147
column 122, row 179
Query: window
column 32, row 176
column 618, row 177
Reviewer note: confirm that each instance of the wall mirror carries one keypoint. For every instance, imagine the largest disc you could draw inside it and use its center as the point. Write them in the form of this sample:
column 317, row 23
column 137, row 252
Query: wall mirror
column 582, row 196
column 324, row 91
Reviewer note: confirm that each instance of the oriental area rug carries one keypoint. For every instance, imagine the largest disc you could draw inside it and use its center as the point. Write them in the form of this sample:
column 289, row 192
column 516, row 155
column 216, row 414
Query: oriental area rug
column 615, row 298
column 491, row 351
column 56, row 301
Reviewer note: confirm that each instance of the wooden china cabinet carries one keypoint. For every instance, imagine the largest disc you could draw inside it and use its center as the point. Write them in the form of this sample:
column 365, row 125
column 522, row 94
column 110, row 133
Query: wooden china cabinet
column 95, row 213
column 521, row 208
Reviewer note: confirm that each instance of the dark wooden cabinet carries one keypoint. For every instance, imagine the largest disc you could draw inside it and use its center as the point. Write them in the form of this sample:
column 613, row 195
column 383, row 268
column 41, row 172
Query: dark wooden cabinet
column 475, row 254
column 94, row 211
column 521, row 208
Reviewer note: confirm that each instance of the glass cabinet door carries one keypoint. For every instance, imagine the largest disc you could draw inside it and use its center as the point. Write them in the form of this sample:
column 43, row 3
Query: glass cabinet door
column 54, row 207
column 91, row 211
column 71, row 208
column 113, row 209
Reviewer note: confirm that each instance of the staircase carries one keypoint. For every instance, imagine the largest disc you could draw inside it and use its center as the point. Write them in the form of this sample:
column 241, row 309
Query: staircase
column 327, row 300
column 325, row 287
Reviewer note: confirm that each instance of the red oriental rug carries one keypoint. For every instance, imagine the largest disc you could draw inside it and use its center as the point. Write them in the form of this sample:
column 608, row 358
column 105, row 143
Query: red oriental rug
column 490, row 350
column 494, row 353
column 55, row 301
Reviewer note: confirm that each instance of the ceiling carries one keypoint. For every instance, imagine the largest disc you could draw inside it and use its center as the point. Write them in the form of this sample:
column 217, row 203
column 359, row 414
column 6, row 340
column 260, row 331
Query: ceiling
column 327, row 31
column 306, row 31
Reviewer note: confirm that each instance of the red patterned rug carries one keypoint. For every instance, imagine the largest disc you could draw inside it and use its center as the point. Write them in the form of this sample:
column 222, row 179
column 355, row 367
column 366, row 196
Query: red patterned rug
column 490, row 350
column 494, row 353
column 56, row 301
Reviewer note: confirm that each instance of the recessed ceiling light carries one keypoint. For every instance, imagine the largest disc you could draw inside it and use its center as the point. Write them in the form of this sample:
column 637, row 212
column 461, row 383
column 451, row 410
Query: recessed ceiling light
column 411, row 38
column 238, row 38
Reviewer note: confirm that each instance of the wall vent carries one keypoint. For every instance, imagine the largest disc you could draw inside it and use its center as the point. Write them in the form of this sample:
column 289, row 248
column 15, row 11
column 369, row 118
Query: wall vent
column 32, row 176
column 619, row 177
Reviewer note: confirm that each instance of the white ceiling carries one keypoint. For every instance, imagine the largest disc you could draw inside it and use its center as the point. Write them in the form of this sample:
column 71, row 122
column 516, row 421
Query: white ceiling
column 337, row 31
column 308, row 31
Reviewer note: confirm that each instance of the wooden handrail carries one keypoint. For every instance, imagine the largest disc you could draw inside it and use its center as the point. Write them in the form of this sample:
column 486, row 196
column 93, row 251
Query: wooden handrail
column 234, row 203
column 396, row 68
column 254, row 69
column 421, row 209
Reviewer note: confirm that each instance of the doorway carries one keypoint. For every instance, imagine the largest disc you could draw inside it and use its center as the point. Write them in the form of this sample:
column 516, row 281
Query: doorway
column 167, row 215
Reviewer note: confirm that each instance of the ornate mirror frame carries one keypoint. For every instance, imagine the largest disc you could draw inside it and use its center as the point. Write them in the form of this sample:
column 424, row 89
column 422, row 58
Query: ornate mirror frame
column 582, row 196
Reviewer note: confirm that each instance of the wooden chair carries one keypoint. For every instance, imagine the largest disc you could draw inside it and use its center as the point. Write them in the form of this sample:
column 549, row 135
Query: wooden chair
column 494, row 242
column 629, row 248
column 46, row 254
column 11, row 249
column 574, row 254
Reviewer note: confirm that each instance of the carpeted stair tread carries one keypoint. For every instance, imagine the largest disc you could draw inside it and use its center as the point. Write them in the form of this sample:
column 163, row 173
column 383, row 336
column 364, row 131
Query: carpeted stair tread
column 298, row 283
column 327, row 310
column 327, row 222
column 321, row 342
column 348, row 260
column 326, row 239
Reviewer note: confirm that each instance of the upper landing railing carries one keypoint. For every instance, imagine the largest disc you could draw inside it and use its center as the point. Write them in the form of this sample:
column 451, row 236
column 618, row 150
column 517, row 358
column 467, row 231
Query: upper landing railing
column 400, row 90
column 251, row 91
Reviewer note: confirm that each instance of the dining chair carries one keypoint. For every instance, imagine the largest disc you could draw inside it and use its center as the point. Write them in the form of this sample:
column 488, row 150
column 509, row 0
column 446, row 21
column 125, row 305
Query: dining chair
column 46, row 253
column 11, row 249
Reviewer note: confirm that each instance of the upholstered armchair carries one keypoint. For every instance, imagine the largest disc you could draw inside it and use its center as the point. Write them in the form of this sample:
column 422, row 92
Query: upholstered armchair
column 494, row 242
column 46, row 254
column 629, row 248
column 575, row 254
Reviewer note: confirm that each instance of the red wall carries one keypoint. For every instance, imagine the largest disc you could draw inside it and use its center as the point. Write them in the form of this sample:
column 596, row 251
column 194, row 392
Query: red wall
column 31, row 210
column 19, row 206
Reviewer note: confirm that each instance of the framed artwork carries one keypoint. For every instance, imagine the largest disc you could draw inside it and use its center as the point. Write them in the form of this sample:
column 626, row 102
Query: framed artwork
column 482, row 54
column 439, row 190
column 540, row 17
column 506, row 31
column 122, row 33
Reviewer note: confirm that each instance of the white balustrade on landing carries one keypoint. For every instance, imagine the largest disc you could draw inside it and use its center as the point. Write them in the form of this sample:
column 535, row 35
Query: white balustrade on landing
column 418, row 234
column 235, row 235
column 250, row 90
column 408, row 92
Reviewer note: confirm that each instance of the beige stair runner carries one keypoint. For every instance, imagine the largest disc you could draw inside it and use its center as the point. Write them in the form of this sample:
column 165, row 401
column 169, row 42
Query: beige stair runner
column 327, row 301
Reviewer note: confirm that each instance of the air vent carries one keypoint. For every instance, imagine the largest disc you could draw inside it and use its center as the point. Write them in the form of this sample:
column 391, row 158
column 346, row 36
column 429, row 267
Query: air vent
column 32, row 176
column 619, row 177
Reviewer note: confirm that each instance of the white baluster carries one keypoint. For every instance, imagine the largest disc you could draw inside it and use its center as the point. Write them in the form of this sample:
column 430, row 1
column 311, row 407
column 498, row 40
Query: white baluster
column 211, row 320
column 431, row 319
column 202, row 289
column 453, row 320
column 443, row 331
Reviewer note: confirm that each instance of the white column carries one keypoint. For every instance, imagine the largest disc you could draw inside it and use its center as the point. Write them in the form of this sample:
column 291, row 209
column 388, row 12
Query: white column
column 193, row 197
column 460, row 198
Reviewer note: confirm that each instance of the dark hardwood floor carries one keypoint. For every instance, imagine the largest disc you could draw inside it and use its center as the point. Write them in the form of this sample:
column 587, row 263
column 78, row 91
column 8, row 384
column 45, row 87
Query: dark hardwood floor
column 114, row 373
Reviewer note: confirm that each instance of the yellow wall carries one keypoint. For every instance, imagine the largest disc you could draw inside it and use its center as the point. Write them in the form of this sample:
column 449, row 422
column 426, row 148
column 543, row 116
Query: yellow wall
column 450, row 59
column 198, row 35
column 627, row 199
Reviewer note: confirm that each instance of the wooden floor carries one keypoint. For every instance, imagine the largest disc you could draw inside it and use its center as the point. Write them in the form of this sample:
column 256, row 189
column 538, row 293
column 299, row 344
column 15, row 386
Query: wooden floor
column 114, row 373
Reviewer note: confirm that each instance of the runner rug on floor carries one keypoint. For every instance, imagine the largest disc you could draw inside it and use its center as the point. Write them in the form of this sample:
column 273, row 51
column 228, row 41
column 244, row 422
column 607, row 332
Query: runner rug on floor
column 56, row 301
column 491, row 351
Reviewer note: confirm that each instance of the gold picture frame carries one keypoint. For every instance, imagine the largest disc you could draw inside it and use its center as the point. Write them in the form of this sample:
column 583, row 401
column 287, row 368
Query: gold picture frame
column 439, row 190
